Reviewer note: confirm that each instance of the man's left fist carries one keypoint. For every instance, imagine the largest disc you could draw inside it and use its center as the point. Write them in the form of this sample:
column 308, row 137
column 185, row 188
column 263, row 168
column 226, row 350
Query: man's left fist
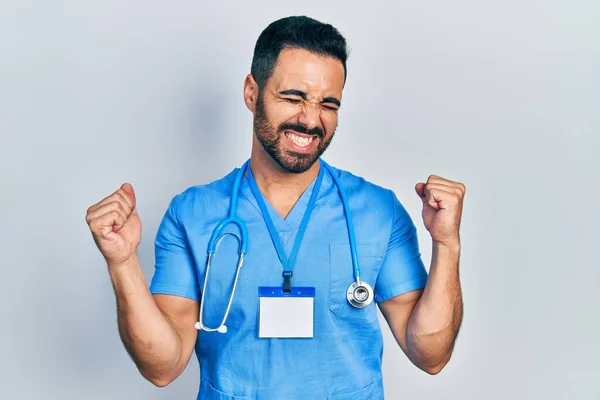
column 442, row 208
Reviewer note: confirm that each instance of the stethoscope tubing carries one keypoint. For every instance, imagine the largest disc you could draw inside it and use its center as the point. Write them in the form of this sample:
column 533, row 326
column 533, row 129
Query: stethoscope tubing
column 242, row 239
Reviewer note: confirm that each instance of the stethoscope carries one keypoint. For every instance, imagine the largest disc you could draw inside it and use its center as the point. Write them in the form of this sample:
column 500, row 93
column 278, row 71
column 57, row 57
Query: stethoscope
column 359, row 293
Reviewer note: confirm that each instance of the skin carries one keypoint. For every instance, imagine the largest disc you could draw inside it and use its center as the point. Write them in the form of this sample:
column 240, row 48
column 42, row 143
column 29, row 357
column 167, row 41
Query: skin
column 321, row 80
column 157, row 331
column 425, row 323
column 305, row 93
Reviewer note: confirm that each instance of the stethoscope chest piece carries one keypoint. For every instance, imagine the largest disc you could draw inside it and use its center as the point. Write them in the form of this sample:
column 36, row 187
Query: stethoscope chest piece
column 359, row 295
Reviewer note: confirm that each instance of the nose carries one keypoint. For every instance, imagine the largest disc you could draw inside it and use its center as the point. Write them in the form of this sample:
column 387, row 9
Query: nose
column 310, row 116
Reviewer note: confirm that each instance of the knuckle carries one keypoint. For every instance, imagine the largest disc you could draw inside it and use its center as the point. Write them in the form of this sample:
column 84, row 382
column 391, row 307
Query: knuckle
column 93, row 225
column 122, row 198
column 114, row 205
column 121, row 207
column 114, row 214
column 114, row 197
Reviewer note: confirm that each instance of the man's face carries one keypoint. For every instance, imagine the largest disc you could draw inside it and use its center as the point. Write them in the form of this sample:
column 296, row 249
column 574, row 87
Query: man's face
column 297, row 112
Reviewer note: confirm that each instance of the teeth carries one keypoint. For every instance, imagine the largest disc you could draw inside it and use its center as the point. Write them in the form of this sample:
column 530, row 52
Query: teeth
column 298, row 140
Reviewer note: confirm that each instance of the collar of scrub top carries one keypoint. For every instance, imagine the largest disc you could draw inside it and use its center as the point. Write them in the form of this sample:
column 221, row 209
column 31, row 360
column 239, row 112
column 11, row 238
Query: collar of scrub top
column 288, row 264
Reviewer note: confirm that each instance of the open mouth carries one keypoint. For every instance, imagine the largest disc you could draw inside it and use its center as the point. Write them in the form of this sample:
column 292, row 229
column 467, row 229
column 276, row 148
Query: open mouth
column 299, row 140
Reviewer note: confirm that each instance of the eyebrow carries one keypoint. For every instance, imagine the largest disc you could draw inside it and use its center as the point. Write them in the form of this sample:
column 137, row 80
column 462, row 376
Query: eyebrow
column 300, row 93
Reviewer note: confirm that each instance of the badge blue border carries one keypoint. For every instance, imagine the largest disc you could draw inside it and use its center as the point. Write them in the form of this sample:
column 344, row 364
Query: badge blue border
column 277, row 291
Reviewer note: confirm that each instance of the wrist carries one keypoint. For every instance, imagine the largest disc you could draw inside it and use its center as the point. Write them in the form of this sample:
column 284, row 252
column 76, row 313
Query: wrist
column 126, row 275
column 127, row 264
column 447, row 247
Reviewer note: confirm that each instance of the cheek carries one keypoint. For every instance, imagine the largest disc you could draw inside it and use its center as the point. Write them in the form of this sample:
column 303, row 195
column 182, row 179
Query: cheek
column 282, row 113
column 330, row 121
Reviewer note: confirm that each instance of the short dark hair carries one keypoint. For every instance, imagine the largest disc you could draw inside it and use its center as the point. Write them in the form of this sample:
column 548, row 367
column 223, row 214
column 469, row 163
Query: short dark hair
column 295, row 32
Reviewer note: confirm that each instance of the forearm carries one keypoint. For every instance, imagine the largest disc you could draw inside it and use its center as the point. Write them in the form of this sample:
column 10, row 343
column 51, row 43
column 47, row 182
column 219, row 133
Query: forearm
column 149, row 337
column 434, row 323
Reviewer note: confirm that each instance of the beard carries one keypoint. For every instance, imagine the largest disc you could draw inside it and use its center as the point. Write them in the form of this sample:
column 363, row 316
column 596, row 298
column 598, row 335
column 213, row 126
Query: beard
column 270, row 139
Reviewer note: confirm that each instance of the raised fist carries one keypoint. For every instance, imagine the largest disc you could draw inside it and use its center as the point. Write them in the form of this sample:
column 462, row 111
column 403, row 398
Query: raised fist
column 116, row 225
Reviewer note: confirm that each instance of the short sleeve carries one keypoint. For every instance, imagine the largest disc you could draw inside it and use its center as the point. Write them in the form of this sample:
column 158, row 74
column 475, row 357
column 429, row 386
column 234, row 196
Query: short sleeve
column 403, row 269
column 175, row 273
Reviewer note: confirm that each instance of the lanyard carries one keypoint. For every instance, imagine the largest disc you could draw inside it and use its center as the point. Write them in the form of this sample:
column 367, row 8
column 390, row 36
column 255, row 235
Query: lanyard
column 288, row 264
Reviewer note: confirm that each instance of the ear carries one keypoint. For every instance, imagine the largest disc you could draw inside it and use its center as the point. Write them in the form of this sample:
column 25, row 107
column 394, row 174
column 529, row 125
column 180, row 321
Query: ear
column 250, row 93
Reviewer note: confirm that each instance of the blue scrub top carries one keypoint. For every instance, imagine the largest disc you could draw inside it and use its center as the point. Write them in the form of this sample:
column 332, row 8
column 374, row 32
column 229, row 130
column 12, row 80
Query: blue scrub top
column 343, row 360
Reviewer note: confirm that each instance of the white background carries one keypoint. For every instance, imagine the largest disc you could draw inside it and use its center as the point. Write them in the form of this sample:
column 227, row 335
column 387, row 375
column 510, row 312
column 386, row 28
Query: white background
column 503, row 96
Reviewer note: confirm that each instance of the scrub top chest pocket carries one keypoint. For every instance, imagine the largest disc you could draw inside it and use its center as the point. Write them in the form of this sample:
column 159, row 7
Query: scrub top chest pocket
column 370, row 258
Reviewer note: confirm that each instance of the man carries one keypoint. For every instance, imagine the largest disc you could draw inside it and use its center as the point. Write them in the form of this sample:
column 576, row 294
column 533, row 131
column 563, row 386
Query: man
column 290, row 201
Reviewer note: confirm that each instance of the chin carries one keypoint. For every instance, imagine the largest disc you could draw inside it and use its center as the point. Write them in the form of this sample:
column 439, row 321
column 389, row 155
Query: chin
column 296, row 163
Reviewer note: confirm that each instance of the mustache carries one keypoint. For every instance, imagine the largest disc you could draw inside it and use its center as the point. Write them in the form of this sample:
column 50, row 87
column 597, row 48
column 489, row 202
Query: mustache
column 302, row 129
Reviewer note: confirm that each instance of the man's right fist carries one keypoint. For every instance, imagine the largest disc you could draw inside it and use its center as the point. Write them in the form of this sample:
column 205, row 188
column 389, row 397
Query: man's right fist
column 116, row 225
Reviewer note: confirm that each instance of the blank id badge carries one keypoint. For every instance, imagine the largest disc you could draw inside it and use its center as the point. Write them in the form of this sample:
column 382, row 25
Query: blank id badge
column 286, row 315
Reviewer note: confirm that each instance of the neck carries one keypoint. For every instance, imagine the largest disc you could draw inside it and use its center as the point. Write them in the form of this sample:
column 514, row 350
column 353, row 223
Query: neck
column 280, row 187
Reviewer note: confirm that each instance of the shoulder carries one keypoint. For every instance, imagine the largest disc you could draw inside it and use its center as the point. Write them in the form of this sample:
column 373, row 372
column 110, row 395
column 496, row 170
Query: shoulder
column 376, row 206
column 360, row 188
column 204, row 198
